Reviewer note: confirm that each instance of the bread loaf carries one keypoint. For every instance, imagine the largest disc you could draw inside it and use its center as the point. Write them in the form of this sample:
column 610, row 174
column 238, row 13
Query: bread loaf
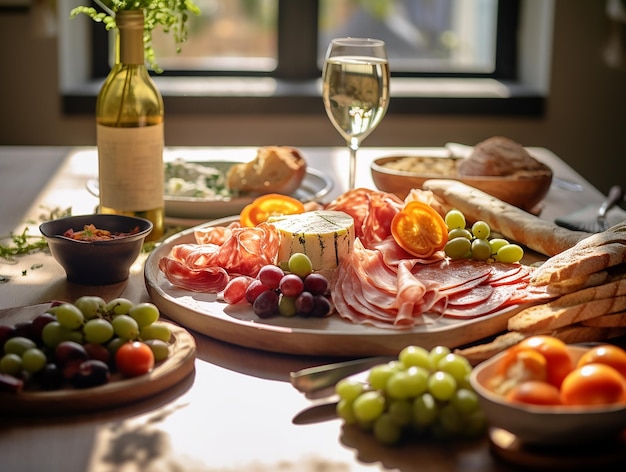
column 275, row 169
column 539, row 235
column 613, row 320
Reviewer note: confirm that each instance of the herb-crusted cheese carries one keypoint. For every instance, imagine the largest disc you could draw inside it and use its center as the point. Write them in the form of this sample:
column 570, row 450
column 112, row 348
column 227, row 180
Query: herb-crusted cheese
column 325, row 236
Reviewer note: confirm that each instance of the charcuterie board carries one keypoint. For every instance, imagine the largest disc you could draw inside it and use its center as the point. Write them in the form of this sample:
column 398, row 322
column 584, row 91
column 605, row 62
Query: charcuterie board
column 331, row 336
column 117, row 392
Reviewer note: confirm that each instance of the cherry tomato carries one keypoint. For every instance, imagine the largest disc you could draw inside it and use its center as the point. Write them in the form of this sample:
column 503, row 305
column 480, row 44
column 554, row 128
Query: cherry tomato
column 419, row 229
column 559, row 362
column 534, row 392
column 523, row 364
column 608, row 354
column 272, row 204
column 134, row 358
column 593, row 384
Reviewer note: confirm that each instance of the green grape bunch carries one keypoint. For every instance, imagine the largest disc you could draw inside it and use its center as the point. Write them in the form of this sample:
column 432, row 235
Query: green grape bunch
column 421, row 393
column 171, row 15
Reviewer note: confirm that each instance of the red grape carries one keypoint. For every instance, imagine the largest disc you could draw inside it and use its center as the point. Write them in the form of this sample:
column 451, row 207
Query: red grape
column 255, row 288
column 266, row 304
column 304, row 303
column 291, row 285
column 316, row 283
column 235, row 290
column 270, row 276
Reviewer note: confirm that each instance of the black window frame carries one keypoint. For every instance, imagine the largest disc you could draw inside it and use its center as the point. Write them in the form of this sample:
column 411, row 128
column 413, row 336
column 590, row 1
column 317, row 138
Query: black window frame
column 297, row 75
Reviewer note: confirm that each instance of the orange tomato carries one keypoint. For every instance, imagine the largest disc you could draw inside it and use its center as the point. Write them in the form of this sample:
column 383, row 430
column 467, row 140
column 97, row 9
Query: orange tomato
column 134, row 358
column 272, row 204
column 419, row 229
column 608, row 354
column 559, row 363
column 534, row 392
column 593, row 384
column 523, row 364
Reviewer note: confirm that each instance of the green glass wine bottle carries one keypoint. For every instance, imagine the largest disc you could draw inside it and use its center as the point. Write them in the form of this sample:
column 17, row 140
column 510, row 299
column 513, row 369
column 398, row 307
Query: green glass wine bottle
column 130, row 130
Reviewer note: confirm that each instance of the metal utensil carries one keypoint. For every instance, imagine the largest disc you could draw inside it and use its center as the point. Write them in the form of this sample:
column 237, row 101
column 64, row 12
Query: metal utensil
column 313, row 379
column 616, row 193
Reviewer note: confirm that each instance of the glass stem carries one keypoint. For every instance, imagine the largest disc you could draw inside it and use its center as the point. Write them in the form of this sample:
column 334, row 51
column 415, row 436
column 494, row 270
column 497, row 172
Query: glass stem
column 353, row 145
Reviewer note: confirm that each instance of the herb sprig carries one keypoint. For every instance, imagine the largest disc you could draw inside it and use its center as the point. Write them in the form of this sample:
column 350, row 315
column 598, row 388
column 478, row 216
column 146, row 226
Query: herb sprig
column 171, row 15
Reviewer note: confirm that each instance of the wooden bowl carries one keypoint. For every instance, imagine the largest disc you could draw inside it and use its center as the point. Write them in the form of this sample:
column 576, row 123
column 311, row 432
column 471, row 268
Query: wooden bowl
column 547, row 425
column 524, row 193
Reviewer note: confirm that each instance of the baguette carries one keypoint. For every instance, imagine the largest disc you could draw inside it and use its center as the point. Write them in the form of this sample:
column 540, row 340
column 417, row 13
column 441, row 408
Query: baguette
column 596, row 253
column 614, row 320
column 552, row 316
column 539, row 235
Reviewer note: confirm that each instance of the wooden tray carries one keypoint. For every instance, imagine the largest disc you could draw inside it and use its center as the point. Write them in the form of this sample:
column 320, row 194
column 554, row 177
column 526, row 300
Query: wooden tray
column 330, row 336
column 117, row 392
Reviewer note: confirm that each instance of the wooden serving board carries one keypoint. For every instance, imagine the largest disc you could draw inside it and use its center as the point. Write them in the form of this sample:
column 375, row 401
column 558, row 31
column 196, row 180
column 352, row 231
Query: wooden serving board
column 117, row 392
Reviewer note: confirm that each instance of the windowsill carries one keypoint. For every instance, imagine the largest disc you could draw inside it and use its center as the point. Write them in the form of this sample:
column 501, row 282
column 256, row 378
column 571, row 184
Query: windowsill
column 240, row 95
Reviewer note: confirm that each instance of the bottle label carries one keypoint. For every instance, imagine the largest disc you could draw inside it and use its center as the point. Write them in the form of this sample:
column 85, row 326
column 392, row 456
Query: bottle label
column 130, row 164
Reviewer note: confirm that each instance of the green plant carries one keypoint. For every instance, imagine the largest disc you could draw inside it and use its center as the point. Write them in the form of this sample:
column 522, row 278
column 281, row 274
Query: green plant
column 171, row 15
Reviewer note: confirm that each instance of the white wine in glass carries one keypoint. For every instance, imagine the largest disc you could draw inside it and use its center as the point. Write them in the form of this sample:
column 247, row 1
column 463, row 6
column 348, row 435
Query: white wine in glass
column 355, row 89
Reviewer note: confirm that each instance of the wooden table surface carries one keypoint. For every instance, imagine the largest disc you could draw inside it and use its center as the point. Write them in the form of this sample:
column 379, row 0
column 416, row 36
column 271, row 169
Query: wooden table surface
column 235, row 412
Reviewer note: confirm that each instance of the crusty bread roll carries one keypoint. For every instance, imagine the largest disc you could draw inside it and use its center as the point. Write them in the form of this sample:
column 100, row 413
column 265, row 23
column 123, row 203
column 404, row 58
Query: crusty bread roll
column 539, row 235
column 275, row 169
column 501, row 157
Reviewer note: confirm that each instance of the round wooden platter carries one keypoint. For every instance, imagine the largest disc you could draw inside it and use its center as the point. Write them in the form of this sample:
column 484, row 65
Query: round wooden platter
column 330, row 336
column 117, row 392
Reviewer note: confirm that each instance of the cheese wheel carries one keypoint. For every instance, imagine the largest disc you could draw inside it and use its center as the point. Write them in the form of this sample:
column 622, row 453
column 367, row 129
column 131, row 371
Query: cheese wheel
column 325, row 236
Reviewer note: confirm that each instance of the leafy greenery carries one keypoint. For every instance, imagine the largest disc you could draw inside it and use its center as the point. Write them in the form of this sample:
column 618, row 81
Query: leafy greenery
column 171, row 15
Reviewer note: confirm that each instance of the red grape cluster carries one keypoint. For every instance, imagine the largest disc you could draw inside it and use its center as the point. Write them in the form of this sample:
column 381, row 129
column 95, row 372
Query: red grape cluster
column 298, row 291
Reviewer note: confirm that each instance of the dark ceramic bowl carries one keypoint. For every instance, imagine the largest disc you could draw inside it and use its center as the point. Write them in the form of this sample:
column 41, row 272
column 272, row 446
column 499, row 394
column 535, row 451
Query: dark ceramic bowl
column 96, row 262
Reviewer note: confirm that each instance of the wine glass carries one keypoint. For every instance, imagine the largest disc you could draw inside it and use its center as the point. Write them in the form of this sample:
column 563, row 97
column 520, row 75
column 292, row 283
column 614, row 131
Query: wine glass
column 355, row 89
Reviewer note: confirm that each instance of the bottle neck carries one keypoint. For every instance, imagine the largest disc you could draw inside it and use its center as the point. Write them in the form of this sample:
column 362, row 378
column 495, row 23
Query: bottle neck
column 129, row 47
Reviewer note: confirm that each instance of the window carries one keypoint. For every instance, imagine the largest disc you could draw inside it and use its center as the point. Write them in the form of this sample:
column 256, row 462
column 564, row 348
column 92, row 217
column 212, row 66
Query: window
column 274, row 49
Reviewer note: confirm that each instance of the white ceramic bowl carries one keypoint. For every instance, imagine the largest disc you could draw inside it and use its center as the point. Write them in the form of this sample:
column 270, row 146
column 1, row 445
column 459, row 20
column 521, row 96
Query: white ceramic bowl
column 549, row 425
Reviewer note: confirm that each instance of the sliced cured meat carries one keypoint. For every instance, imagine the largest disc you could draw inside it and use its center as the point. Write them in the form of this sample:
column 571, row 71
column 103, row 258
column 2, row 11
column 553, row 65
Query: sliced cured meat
column 209, row 280
column 214, row 234
column 449, row 274
column 498, row 299
column 473, row 296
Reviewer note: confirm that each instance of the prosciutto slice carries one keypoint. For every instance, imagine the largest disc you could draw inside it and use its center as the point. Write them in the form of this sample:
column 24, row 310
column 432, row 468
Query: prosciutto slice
column 223, row 252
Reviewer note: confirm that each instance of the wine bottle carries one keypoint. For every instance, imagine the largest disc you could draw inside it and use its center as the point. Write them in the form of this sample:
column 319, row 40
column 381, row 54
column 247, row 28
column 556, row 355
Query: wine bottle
column 130, row 136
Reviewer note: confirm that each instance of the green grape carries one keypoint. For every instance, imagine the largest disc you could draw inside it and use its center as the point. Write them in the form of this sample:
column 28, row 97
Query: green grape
column 407, row 383
column 368, row 406
column 114, row 344
column 287, row 306
column 441, row 386
column 465, row 401
column 401, row 411
column 11, row 364
column 90, row 306
column 458, row 248
column 481, row 250
column 450, row 419
column 481, row 230
column 510, row 253
column 98, row 331
column 18, row 345
column 496, row 244
column 125, row 327
column 118, row 306
column 456, row 365
column 160, row 349
column 415, row 356
column 53, row 334
column 69, row 316
column 33, row 360
column 75, row 335
column 386, row 430
column 300, row 264
column 144, row 314
column 455, row 219
column 459, row 233
column 437, row 353
column 379, row 374
column 425, row 410
column 156, row 331
column 346, row 412
column 349, row 389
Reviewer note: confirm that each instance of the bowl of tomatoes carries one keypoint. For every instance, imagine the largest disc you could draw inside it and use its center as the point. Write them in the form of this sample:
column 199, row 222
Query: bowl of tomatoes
column 547, row 392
